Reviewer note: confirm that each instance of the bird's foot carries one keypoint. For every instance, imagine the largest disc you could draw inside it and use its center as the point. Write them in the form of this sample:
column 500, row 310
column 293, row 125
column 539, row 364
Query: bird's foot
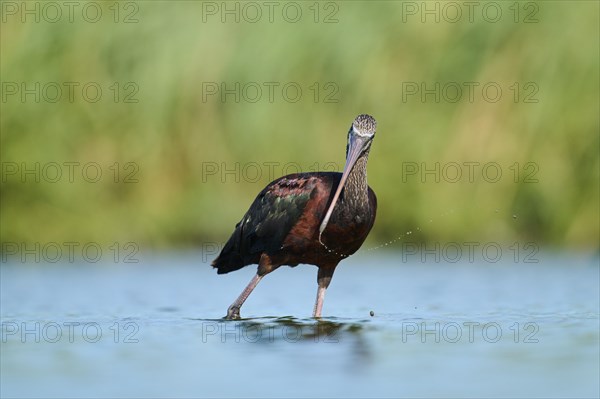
column 233, row 313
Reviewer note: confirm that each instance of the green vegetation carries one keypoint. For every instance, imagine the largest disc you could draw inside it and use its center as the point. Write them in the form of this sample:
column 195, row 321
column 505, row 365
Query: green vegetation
column 542, row 132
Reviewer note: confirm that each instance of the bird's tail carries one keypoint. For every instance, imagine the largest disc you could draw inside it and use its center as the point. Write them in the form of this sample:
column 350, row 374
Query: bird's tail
column 229, row 259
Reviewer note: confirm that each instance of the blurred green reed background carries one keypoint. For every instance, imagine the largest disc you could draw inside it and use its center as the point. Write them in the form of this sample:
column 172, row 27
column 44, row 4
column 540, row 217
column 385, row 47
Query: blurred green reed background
column 177, row 140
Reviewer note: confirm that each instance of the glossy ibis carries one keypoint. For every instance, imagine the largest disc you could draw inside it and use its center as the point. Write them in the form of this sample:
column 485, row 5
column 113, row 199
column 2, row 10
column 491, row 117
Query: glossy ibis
column 313, row 218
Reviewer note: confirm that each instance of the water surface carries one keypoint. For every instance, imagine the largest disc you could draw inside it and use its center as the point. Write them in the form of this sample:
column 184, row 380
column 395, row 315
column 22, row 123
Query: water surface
column 439, row 329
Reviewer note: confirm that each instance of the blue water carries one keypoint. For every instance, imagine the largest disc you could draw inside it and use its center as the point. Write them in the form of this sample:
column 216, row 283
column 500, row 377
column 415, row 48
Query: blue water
column 466, row 329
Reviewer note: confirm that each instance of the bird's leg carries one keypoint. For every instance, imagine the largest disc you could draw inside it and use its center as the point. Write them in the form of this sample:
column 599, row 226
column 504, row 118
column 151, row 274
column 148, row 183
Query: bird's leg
column 234, row 310
column 319, row 302
column 323, row 279
column 265, row 266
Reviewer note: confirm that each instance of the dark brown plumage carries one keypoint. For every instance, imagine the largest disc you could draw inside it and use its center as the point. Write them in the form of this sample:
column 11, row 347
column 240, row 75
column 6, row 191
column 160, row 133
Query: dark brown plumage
column 313, row 218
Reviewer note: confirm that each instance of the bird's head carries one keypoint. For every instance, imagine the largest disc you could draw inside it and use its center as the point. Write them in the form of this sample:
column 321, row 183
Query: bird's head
column 360, row 137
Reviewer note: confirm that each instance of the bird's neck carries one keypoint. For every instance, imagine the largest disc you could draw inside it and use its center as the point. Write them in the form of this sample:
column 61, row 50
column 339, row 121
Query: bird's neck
column 356, row 189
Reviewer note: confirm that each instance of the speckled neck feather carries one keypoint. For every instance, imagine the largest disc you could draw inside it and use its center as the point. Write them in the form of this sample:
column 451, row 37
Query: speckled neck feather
column 355, row 195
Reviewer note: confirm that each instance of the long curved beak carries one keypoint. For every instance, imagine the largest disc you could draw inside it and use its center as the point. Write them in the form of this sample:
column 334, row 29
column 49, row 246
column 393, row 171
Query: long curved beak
column 356, row 147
